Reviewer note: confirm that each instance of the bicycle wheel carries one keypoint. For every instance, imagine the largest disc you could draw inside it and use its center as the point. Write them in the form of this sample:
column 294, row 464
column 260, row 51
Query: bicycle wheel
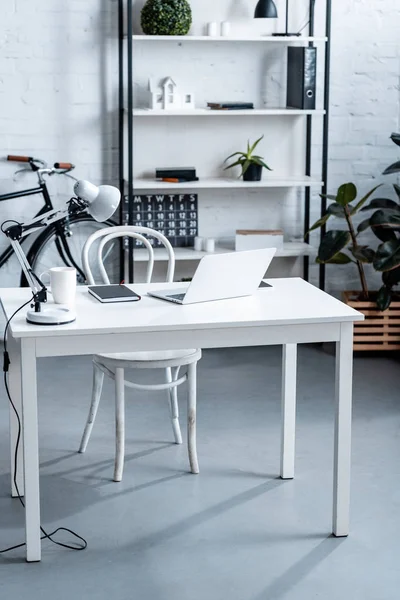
column 51, row 249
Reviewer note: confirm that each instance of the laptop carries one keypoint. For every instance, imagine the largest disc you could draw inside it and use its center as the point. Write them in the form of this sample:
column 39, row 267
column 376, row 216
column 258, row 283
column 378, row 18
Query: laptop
column 222, row 276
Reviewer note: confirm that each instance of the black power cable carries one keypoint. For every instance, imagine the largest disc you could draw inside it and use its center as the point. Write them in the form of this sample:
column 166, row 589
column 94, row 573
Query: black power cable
column 48, row 536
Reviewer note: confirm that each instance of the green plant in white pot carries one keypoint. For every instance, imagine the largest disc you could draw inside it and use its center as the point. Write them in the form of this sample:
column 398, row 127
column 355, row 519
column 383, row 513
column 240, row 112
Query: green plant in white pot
column 251, row 164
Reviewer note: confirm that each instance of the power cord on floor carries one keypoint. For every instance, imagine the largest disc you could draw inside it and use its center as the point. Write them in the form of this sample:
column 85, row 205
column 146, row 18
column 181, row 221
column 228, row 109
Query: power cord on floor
column 48, row 536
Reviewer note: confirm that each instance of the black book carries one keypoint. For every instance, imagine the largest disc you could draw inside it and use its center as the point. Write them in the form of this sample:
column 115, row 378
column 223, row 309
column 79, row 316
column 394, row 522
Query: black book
column 230, row 105
column 188, row 173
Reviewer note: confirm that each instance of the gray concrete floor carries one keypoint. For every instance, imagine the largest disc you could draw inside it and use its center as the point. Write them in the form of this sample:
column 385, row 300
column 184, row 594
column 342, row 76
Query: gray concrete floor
column 235, row 531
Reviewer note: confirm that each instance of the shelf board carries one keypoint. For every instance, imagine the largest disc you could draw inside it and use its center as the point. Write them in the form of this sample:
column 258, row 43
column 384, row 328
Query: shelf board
column 270, row 181
column 206, row 112
column 227, row 39
column 290, row 249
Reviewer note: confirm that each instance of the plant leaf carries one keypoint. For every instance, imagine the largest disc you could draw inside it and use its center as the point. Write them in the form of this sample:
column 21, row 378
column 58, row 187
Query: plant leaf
column 382, row 233
column 384, row 298
column 387, row 256
column 336, row 210
column 381, row 203
column 363, row 254
column 395, row 137
column 346, row 194
column 235, row 164
column 339, row 259
column 328, row 196
column 234, row 154
column 365, row 198
column 253, row 147
column 319, row 223
column 389, row 219
column 397, row 190
column 245, row 166
column 332, row 243
column 363, row 226
column 260, row 162
column 391, row 278
column 394, row 168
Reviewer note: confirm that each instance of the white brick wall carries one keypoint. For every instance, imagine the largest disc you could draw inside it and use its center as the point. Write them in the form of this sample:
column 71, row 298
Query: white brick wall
column 58, row 91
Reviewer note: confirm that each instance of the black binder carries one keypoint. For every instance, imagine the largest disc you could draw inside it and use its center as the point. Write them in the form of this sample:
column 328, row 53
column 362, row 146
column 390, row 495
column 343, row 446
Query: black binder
column 301, row 77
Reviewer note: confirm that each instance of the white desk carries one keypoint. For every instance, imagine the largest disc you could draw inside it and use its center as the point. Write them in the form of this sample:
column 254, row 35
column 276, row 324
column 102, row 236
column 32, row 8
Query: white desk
column 290, row 313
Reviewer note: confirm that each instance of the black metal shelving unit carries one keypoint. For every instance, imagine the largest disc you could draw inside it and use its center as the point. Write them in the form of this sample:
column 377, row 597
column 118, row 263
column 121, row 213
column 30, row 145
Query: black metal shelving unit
column 126, row 131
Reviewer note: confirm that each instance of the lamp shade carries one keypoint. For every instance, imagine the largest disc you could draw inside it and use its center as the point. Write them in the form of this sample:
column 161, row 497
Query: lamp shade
column 266, row 9
column 102, row 201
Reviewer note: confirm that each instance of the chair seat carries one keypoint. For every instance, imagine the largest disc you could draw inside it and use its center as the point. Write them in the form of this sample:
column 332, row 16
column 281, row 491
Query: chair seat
column 149, row 360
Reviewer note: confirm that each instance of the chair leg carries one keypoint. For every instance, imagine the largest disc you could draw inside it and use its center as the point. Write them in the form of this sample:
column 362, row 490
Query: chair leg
column 98, row 378
column 173, row 407
column 192, row 381
column 119, row 424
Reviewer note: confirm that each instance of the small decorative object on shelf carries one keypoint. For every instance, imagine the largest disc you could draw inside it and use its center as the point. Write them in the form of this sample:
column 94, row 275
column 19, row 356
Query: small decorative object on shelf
column 167, row 97
column 257, row 239
column 266, row 9
column 198, row 243
column 209, row 245
column 212, row 29
column 251, row 164
column 225, row 28
column 230, row 105
column 166, row 17
column 176, row 175
column 173, row 215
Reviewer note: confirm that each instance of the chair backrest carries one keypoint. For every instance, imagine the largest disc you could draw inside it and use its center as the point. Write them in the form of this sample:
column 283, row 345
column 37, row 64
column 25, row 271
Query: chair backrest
column 107, row 234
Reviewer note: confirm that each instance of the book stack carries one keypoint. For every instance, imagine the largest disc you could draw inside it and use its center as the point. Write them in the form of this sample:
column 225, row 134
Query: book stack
column 230, row 105
column 176, row 174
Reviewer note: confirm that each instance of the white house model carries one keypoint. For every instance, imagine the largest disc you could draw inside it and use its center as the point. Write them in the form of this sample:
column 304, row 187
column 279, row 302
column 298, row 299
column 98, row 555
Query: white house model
column 167, row 97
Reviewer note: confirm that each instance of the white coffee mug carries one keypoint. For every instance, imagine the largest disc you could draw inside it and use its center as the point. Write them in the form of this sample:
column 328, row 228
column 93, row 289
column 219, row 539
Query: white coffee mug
column 62, row 284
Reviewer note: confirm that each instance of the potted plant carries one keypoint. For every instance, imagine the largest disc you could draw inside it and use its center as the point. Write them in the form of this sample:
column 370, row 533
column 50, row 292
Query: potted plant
column 250, row 163
column 166, row 17
column 343, row 246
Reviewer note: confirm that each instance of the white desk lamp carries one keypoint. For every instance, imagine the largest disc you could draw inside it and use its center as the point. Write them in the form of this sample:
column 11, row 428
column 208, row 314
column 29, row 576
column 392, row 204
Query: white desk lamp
column 100, row 202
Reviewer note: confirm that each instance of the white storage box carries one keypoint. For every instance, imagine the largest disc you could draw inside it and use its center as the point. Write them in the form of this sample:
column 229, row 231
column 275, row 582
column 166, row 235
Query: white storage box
column 256, row 239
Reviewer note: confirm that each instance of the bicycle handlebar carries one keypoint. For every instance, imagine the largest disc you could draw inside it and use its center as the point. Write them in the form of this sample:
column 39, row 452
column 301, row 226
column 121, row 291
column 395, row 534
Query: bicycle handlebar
column 64, row 165
column 19, row 158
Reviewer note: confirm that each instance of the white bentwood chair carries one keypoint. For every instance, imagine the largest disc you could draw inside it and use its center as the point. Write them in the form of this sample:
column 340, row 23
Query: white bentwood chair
column 114, row 365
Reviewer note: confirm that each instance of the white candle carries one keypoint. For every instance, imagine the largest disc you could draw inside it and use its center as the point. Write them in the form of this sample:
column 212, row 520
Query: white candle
column 225, row 28
column 212, row 29
column 209, row 245
column 198, row 244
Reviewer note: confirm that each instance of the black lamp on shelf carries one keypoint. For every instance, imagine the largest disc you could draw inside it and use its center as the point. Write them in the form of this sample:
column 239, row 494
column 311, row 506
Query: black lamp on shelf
column 266, row 9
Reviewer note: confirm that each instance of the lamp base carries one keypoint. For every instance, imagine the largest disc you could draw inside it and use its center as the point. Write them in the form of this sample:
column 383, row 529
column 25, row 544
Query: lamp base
column 287, row 34
column 51, row 316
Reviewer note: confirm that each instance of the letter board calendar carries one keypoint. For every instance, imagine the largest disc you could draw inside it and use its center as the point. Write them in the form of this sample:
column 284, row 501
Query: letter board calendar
column 173, row 215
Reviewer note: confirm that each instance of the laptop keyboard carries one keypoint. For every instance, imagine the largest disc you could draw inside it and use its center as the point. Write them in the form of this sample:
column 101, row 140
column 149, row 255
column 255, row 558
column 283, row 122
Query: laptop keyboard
column 177, row 296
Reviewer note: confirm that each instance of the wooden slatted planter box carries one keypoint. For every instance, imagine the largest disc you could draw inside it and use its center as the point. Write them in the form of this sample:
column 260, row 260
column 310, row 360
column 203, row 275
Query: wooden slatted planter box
column 380, row 330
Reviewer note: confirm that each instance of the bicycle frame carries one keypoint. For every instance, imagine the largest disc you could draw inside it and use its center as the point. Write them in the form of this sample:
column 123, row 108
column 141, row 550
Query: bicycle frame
column 61, row 242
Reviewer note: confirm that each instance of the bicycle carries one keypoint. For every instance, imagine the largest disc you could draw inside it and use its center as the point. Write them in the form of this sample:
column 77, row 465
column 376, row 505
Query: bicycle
column 59, row 244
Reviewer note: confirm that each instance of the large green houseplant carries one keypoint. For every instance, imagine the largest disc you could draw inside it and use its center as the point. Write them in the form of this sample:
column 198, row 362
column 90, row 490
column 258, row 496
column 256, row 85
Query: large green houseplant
column 344, row 245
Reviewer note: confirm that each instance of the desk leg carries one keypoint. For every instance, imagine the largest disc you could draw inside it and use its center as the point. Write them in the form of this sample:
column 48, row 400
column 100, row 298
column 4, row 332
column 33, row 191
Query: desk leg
column 14, row 384
column 342, row 449
column 288, row 424
column 31, row 449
